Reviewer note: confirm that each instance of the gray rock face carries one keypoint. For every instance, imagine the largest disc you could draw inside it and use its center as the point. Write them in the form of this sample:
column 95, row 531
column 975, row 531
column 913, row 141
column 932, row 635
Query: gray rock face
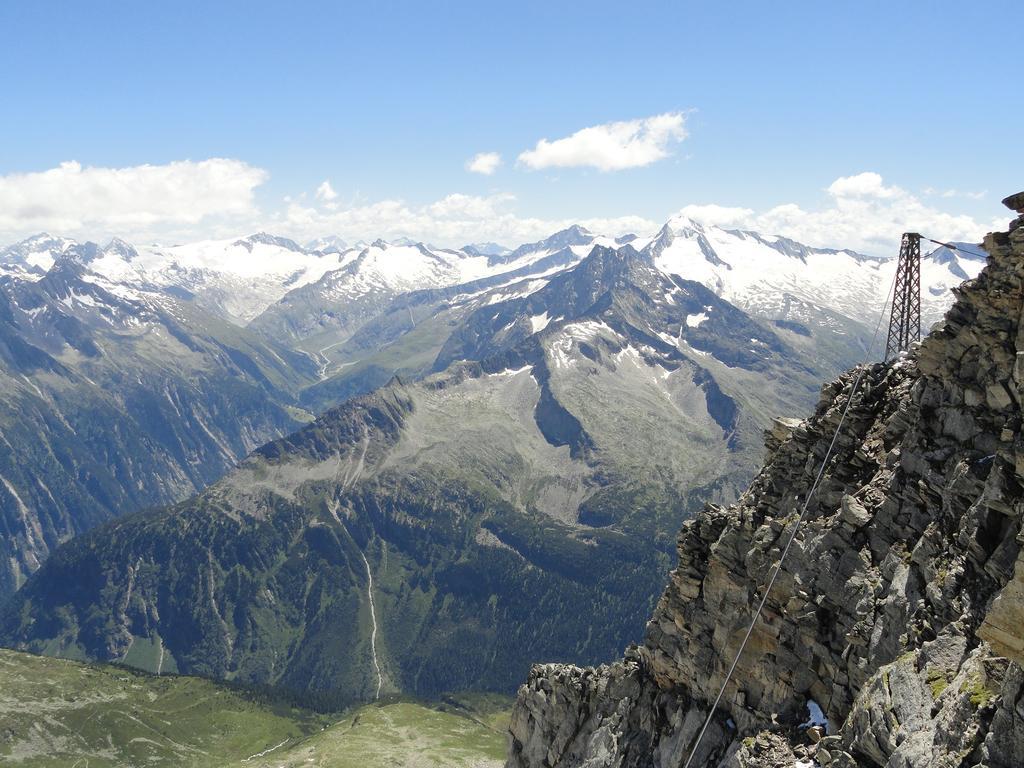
column 1015, row 202
column 912, row 534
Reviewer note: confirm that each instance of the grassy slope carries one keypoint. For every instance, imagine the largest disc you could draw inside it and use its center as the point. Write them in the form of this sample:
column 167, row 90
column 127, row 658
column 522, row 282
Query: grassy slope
column 400, row 734
column 61, row 713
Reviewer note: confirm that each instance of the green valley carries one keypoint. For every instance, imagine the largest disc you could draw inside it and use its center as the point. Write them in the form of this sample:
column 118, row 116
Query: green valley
column 59, row 713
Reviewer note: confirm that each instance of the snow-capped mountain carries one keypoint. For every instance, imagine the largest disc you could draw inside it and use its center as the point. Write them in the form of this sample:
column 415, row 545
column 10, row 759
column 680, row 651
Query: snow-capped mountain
column 339, row 300
column 824, row 302
column 326, row 291
column 34, row 255
column 945, row 268
column 578, row 238
column 329, row 310
column 241, row 278
column 407, row 266
column 236, row 279
column 779, row 278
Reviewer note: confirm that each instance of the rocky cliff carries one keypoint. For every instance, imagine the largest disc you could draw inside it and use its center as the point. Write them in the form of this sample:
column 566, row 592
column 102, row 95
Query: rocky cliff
column 892, row 636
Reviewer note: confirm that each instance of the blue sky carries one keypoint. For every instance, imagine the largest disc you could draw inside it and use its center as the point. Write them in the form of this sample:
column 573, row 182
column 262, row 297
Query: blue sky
column 387, row 101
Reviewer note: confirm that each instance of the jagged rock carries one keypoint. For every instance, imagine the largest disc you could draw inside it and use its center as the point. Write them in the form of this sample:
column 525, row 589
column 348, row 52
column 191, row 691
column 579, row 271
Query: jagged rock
column 781, row 430
column 854, row 513
column 875, row 614
column 1015, row 202
column 1005, row 741
column 1003, row 627
column 766, row 750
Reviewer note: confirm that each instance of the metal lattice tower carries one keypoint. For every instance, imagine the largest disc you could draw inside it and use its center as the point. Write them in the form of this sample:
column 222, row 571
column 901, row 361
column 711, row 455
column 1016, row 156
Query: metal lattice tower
column 905, row 320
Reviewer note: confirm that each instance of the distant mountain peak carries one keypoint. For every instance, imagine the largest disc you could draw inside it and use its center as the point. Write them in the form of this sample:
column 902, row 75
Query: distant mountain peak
column 944, row 254
column 576, row 231
column 682, row 223
column 486, row 249
column 950, row 258
column 42, row 237
column 120, row 248
column 43, row 241
column 83, row 253
column 564, row 238
column 268, row 239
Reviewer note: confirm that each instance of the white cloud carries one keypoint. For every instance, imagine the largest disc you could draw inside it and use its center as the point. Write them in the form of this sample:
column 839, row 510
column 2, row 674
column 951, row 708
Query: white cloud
column 718, row 215
column 188, row 200
column 453, row 220
column 484, row 162
column 948, row 193
column 611, row 146
column 72, row 199
column 326, row 192
column 868, row 185
column 861, row 212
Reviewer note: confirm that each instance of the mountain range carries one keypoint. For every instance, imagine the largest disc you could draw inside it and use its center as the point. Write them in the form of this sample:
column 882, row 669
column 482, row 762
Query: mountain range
column 506, row 446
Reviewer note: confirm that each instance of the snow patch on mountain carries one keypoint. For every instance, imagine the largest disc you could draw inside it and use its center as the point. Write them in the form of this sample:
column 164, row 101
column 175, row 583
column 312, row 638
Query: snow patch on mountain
column 539, row 322
column 570, row 335
column 694, row 321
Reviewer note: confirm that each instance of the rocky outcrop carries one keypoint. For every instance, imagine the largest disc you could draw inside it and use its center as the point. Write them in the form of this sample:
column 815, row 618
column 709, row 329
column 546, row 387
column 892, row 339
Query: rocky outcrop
column 896, row 616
